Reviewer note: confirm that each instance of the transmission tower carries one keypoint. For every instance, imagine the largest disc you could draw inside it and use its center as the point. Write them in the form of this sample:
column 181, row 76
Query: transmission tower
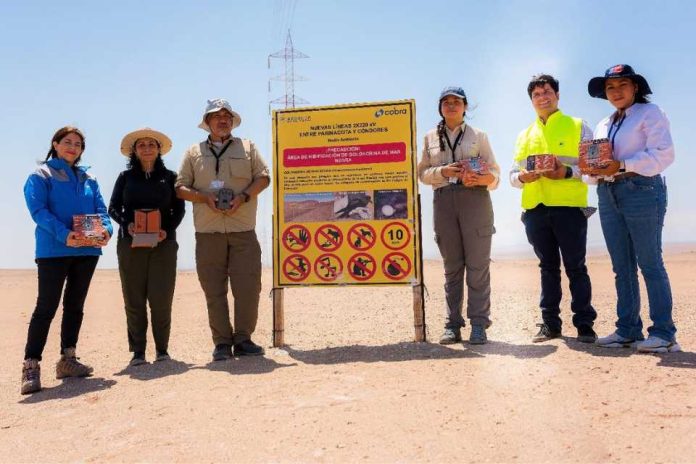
column 289, row 54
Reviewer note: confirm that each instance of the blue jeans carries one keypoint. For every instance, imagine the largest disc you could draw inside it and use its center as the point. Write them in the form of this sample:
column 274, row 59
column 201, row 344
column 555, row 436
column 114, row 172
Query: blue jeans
column 632, row 212
column 555, row 232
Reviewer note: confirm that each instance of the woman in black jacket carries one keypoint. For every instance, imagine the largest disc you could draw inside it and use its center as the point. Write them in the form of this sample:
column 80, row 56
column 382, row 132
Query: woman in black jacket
column 147, row 257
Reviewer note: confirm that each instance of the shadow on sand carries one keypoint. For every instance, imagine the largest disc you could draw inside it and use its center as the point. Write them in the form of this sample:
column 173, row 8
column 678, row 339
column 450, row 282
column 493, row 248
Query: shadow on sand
column 69, row 388
column 245, row 365
column 155, row 370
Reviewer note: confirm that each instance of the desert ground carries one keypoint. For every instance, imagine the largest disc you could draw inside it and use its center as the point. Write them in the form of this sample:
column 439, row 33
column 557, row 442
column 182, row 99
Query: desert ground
column 351, row 386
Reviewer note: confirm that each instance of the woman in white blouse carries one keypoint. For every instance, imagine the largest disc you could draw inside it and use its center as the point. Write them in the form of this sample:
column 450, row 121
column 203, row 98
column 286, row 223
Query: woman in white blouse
column 632, row 205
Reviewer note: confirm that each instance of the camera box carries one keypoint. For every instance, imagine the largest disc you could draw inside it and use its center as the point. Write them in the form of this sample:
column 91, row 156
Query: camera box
column 146, row 228
column 89, row 229
column 541, row 163
column 475, row 164
column 224, row 198
column 594, row 154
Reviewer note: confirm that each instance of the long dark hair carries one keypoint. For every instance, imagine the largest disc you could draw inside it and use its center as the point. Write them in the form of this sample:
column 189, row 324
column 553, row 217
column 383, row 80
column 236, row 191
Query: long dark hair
column 135, row 165
column 60, row 135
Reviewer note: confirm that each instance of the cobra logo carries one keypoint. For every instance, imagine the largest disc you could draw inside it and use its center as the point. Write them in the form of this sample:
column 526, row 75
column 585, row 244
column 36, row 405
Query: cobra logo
column 393, row 112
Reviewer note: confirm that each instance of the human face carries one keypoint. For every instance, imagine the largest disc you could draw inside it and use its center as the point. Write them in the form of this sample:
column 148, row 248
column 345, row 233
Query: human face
column 220, row 124
column 69, row 148
column 544, row 100
column 621, row 92
column 146, row 150
column 453, row 109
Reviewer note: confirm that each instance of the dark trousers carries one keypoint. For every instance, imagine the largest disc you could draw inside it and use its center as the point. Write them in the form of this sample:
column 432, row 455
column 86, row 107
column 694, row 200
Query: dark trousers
column 75, row 272
column 148, row 275
column 561, row 232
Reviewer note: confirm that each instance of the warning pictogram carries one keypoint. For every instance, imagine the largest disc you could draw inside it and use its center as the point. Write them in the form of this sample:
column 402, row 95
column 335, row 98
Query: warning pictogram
column 296, row 267
column 296, row 238
column 328, row 267
column 396, row 266
column 396, row 235
column 361, row 236
column 328, row 237
column 361, row 266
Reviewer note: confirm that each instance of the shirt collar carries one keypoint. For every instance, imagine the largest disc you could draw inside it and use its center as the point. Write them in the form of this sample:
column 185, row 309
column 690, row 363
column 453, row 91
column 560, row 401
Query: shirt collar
column 553, row 116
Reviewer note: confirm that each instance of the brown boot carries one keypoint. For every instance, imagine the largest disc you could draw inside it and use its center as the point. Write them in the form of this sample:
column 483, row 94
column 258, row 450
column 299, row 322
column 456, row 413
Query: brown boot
column 31, row 376
column 69, row 366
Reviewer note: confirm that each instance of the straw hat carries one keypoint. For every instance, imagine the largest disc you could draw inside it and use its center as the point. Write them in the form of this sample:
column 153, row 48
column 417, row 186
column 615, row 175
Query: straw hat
column 128, row 141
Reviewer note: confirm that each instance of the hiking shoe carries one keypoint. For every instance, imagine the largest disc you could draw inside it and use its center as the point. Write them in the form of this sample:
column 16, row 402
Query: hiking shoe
column 545, row 333
column 162, row 356
column 31, row 376
column 222, row 352
column 247, row 348
column 450, row 336
column 586, row 334
column 69, row 366
column 138, row 359
column 657, row 345
column 478, row 335
column 615, row 341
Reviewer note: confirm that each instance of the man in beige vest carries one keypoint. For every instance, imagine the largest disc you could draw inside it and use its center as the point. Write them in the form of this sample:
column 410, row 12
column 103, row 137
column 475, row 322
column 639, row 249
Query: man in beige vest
column 222, row 177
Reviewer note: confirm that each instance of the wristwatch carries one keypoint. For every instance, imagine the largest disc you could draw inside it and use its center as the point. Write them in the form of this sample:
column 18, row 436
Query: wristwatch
column 569, row 172
column 246, row 197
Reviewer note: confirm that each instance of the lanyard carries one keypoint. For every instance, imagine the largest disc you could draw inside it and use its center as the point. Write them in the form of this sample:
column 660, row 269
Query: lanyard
column 457, row 140
column 218, row 155
column 611, row 129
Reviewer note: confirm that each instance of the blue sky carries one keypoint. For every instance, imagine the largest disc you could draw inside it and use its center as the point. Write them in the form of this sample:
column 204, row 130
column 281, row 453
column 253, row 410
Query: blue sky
column 111, row 67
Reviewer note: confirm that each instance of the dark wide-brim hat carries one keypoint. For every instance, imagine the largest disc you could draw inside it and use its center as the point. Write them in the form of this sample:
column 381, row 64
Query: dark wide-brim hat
column 596, row 85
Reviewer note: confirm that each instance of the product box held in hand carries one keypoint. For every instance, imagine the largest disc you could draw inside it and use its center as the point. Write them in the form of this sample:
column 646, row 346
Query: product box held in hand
column 541, row 163
column 475, row 164
column 146, row 228
column 594, row 154
column 89, row 229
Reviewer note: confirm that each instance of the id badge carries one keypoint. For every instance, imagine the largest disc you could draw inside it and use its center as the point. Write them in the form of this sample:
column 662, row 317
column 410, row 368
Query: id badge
column 216, row 184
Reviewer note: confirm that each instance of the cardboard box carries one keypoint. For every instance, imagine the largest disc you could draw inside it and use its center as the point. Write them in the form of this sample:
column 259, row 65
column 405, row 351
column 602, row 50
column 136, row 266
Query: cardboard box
column 89, row 229
column 146, row 228
column 476, row 164
column 594, row 154
column 541, row 163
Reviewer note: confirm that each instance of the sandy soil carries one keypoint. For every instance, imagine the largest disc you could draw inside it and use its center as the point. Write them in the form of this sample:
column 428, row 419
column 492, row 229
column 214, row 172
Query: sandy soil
column 351, row 386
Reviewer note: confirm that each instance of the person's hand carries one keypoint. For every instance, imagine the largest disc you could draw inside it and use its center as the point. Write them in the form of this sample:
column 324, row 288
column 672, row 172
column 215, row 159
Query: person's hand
column 72, row 240
column 527, row 177
column 103, row 240
column 609, row 170
column 131, row 229
column 210, row 200
column 474, row 179
column 235, row 204
column 451, row 170
column 162, row 235
column 559, row 170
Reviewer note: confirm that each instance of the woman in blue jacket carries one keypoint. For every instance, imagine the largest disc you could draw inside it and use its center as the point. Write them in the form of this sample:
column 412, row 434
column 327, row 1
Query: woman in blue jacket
column 58, row 190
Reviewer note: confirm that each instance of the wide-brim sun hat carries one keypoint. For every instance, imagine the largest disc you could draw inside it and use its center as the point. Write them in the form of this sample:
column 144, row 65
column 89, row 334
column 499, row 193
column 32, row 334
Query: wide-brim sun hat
column 215, row 105
column 596, row 85
column 128, row 141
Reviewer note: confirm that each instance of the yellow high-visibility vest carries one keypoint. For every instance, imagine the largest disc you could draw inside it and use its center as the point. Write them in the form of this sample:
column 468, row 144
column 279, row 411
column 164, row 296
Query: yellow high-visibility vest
column 560, row 136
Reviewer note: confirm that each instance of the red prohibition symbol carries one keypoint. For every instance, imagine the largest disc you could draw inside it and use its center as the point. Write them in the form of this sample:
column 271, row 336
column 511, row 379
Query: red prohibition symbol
column 396, row 266
column 361, row 266
column 328, row 267
column 396, row 235
column 328, row 237
column 361, row 236
column 296, row 268
column 296, row 238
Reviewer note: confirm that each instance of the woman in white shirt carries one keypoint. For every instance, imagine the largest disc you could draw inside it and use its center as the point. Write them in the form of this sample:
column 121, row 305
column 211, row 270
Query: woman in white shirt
column 632, row 205
column 460, row 165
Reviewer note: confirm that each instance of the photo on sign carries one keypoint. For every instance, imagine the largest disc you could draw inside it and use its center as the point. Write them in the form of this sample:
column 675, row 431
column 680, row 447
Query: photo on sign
column 309, row 207
column 391, row 204
column 353, row 205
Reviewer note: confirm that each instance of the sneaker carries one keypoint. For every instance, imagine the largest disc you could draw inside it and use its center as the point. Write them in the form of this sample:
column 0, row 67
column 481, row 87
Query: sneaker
column 450, row 336
column 615, row 341
column 162, row 356
column 586, row 334
column 545, row 333
column 138, row 359
column 222, row 352
column 69, row 366
column 247, row 348
column 478, row 335
column 31, row 376
column 657, row 345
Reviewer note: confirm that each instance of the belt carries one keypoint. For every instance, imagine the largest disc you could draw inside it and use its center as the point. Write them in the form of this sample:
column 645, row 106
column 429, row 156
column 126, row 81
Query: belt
column 618, row 178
